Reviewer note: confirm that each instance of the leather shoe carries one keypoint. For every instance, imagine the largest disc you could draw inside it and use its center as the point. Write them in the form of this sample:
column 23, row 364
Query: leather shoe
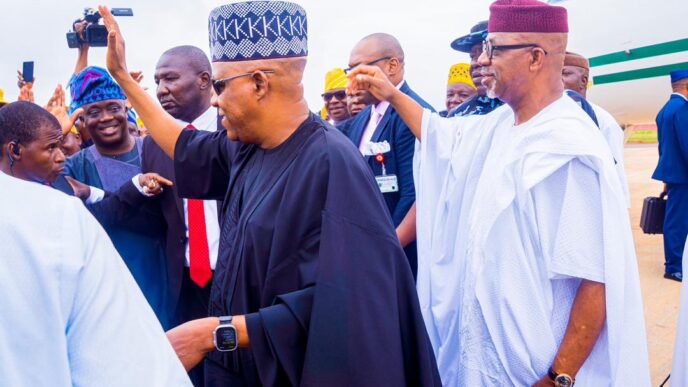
column 678, row 276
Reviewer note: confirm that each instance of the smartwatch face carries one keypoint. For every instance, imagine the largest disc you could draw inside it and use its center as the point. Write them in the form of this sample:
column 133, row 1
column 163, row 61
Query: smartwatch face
column 226, row 338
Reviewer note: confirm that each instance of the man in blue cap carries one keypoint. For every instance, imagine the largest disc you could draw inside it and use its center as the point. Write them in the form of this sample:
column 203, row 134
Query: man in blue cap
column 672, row 169
column 311, row 286
column 472, row 44
column 113, row 160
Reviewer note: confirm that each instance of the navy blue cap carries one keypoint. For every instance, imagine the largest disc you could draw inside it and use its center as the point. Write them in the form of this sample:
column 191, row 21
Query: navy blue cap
column 677, row 75
column 466, row 42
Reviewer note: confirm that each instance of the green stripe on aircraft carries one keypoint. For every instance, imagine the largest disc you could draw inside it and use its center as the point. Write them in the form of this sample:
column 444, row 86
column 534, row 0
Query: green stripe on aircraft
column 640, row 53
column 631, row 75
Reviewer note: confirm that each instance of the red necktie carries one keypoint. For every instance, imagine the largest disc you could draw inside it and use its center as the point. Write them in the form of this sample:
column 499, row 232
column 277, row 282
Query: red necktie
column 199, row 253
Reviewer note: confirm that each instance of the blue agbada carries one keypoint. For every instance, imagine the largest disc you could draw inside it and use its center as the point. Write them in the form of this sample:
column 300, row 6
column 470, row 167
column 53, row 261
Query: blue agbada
column 140, row 239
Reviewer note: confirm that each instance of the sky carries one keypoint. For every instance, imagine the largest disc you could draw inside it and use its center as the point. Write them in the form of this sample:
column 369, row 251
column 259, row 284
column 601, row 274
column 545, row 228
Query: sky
column 35, row 30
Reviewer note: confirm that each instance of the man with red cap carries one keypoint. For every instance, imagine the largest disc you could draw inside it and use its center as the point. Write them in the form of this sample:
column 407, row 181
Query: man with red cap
column 527, row 273
column 576, row 75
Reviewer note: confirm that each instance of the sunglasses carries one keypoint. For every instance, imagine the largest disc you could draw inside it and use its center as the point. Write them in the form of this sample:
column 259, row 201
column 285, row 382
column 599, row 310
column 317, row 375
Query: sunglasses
column 220, row 84
column 340, row 95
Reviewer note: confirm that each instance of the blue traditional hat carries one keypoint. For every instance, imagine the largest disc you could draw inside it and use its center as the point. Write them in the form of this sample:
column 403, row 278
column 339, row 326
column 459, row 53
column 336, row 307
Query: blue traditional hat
column 677, row 75
column 257, row 30
column 93, row 84
column 466, row 42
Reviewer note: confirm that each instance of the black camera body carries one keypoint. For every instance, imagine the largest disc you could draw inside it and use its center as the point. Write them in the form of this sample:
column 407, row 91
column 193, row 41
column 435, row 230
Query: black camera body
column 95, row 34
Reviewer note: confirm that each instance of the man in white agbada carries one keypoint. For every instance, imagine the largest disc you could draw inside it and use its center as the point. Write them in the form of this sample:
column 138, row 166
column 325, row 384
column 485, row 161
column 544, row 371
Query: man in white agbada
column 679, row 369
column 527, row 271
column 575, row 76
column 70, row 311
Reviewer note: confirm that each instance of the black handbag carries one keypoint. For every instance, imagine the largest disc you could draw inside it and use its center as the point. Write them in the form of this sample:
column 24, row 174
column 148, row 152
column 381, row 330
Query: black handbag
column 652, row 217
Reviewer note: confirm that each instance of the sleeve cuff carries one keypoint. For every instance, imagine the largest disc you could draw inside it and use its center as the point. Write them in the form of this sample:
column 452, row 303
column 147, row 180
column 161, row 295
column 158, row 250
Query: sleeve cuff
column 96, row 195
column 142, row 190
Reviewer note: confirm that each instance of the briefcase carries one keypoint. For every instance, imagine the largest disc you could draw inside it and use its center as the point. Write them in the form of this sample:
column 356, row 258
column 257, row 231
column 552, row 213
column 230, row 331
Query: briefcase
column 652, row 217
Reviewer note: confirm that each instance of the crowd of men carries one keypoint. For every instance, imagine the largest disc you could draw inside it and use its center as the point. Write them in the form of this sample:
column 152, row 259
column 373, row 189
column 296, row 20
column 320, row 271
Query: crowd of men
column 375, row 243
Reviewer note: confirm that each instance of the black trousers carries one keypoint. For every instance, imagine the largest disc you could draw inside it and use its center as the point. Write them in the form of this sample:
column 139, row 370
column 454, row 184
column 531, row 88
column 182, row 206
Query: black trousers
column 193, row 304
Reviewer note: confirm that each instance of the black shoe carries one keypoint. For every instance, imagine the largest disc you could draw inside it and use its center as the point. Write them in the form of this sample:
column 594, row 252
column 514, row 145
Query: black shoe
column 678, row 276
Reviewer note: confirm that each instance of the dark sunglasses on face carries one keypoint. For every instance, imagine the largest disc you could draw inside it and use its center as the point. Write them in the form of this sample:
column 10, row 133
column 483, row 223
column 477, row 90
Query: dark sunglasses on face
column 340, row 95
column 219, row 85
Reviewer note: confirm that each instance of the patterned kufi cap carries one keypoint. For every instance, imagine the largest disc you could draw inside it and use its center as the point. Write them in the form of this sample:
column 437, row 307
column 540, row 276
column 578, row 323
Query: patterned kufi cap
column 255, row 30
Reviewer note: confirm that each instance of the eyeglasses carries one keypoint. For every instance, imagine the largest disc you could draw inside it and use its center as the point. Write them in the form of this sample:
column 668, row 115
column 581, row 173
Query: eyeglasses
column 219, row 85
column 489, row 48
column 348, row 69
column 340, row 95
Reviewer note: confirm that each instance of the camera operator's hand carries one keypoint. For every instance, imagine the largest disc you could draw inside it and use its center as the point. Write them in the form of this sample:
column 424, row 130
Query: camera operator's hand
column 79, row 28
column 82, row 59
column 116, row 60
column 58, row 108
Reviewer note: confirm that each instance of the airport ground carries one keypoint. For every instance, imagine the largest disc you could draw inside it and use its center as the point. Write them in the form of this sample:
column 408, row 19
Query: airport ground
column 660, row 296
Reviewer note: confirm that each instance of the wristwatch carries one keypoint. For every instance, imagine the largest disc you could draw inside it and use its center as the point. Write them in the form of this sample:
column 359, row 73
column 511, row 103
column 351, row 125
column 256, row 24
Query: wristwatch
column 560, row 380
column 225, row 335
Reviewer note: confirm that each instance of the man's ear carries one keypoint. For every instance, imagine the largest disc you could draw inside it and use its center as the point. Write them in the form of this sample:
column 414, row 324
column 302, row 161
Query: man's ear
column 537, row 58
column 204, row 80
column 13, row 150
column 584, row 81
column 262, row 84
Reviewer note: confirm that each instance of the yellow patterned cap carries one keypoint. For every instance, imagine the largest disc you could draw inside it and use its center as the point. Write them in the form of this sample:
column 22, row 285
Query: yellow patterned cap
column 2, row 97
column 335, row 79
column 460, row 73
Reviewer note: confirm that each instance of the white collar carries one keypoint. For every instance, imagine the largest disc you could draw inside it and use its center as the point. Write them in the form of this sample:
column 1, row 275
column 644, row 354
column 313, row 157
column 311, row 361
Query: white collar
column 206, row 121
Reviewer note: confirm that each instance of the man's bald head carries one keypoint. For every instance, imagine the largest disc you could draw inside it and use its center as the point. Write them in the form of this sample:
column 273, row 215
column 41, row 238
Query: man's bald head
column 381, row 50
column 191, row 55
column 182, row 76
column 382, row 44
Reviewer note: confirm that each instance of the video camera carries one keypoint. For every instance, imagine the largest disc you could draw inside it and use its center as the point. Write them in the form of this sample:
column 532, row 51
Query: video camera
column 94, row 34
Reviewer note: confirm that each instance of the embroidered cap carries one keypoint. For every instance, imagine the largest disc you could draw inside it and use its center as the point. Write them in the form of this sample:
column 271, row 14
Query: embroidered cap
column 93, row 84
column 335, row 79
column 527, row 16
column 460, row 73
column 255, row 30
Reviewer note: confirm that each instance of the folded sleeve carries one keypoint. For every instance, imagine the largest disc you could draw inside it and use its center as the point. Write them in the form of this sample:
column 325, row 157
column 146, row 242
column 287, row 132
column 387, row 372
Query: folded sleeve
column 202, row 162
column 278, row 336
column 568, row 207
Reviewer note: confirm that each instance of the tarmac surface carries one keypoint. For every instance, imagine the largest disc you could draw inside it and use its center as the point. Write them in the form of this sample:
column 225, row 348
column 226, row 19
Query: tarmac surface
column 660, row 296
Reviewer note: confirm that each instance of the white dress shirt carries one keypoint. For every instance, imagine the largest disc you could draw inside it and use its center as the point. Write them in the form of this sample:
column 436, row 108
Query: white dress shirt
column 376, row 113
column 208, row 122
column 71, row 314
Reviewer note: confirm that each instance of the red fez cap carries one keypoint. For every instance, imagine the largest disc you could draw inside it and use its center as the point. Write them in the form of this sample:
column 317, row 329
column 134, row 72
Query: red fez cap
column 573, row 59
column 527, row 16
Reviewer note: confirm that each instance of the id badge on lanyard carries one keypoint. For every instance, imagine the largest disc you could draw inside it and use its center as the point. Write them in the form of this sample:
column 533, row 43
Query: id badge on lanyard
column 386, row 183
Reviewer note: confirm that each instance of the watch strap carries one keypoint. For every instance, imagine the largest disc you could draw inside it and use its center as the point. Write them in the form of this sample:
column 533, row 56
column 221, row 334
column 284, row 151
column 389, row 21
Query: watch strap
column 552, row 375
column 224, row 320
